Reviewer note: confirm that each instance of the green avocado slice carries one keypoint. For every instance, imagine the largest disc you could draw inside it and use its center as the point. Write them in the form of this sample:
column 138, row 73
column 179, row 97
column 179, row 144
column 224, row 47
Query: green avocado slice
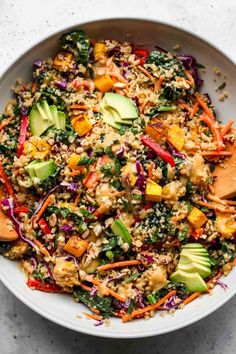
column 192, row 267
column 193, row 281
column 192, row 246
column 123, row 105
column 120, row 230
column 38, row 124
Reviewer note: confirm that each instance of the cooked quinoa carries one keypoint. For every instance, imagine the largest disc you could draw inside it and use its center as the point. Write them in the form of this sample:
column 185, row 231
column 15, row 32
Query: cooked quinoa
column 150, row 174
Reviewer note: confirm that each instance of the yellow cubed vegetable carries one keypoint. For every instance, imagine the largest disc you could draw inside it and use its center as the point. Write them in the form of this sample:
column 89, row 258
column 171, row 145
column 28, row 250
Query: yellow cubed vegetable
column 73, row 162
column 197, row 218
column 104, row 83
column 99, row 51
column 153, row 191
column 76, row 246
column 175, row 136
column 225, row 225
column 62, row 61
column 81, row 124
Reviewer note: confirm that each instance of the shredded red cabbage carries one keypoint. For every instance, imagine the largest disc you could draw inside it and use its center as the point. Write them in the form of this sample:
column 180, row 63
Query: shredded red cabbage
column 38, row 63
column 140, row 184
column 10, row 213
column 62, row 84
column 99, row 323
column 170, row 303
column 120, row 152
column 190, row 64
column 68, row 229
column 93, row 292
column 72, row 187
column 223, row 285
column 43, row 200
column 139, row 299
column 149, row 259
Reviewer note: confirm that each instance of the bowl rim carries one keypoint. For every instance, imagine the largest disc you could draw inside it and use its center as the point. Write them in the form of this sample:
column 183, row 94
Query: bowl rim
column 38, row 310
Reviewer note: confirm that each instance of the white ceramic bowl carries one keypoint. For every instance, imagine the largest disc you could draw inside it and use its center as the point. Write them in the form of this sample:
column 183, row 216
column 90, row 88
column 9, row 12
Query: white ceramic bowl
column 61, row 308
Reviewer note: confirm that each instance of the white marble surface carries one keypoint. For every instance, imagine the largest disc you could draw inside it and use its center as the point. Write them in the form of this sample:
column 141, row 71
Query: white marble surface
column 23, row 23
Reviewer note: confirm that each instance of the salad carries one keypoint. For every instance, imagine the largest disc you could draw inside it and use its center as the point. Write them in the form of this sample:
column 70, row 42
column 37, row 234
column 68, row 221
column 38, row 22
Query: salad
column 107, row 163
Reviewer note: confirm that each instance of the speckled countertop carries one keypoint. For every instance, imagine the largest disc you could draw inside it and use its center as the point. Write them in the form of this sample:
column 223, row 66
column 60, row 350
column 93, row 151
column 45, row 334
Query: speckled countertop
column 23, row 23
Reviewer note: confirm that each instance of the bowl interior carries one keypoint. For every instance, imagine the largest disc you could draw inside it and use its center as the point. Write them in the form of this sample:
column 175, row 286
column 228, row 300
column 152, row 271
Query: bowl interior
column 61, row 308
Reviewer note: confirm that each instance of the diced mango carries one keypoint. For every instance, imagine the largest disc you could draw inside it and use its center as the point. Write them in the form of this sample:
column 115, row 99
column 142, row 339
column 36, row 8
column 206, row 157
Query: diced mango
column 225, row 225
column 155, row 129
column 104, row 83
column 175, row 136
column 153, row 191
column 81, row 124
column 73, row 162
column 128, row 171
column 197, row 218
column 62, row 61
column 99, row 51
column 76, row 246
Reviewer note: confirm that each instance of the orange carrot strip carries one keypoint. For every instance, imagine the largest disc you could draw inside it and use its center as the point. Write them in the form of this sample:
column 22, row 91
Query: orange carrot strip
column 143, row 105
column 204, row 106
column 211, row 188
column 92, row 180
column 216, row 153
column 42, row 249
column 109, row 291
column 178, row 218
column 215, row 128
column 150, row 169
column 191, row 298
column 216, row 199
column 229, row 202
column 5, row 122
column 121, row 264
column 189, row 76
column 227, row 127
column 140, row 312
column 217, row 208
column 195, row 109
column 234, row 261
column 34, row 86
column 43, row 208
column 85, row 287
column 141, row 68
column 77, row 198
column 185, row 106
column 83, row 107
column 92, row 316
column 160, row 82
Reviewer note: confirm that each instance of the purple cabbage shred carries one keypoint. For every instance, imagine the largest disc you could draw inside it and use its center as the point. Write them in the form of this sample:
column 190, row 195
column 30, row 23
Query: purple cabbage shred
column 223, row 285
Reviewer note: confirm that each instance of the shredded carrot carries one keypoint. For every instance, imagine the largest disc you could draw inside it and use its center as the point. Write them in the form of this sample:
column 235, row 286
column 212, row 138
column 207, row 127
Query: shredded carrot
column 204, row 106
column 160, row 82
column 190, row 77
column 91, row 180
column 80, row 170
column 216, row 153
column 5, row 122
column 211, row 188
column 227, row 127
column 92, row 316
column 185, row 106
column 150, row 169
column 109, row 291
column 100, row 211
column 191, row 298
column 77, row 198
column 215, row 128
column 140, row 312
column 146, row 73
column 85, row 287
column 144, row 105
column 234, row 261
column 229, row 202
column 95, row 311
column 215, row 199
column 214, row 279
column 42, row 249
column 217, row 208
column 178, row 218
column 43, row 208
column 121, row 264
column 34, row 86
column 195, row 109
column 84, row 107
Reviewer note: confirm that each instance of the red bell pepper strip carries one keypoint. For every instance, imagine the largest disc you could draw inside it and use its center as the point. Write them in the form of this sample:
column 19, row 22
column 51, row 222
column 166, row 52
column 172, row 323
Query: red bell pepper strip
column 165, row 155
column 141, row 54
column 49, row 288
column 21, row 209
column 148, row 205
column 7, row 184
column 44, row 227
column 216, row 131
column 22, row 136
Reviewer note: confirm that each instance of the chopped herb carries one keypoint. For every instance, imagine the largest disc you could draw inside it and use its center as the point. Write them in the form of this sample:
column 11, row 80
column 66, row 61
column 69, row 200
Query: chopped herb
column 131, row 278
column 151, row 298
column 222, row 86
